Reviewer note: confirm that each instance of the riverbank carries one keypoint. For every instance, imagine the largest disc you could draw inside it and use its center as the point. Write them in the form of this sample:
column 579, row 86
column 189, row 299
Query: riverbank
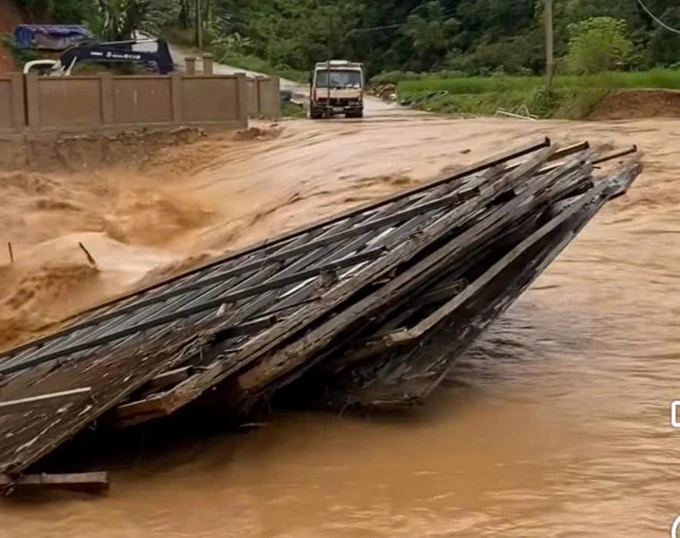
column 609, row 96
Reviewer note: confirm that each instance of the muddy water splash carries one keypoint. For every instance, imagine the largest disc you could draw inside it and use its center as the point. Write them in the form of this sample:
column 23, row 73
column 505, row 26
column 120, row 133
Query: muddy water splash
column 556, row 424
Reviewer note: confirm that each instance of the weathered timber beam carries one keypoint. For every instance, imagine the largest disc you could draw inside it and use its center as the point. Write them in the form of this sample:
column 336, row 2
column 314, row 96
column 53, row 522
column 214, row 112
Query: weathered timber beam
column 166, row 379
column 615, row 155
column 622, row 183
column 375, row 345
column 597, row 160
column 440, row 294
column 96, row 482
column 139, row 411
column 558, row 155
column 35, row 402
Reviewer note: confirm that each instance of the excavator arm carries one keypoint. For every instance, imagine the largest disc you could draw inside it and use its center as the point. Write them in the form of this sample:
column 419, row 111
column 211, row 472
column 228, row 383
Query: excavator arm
column 114, row 52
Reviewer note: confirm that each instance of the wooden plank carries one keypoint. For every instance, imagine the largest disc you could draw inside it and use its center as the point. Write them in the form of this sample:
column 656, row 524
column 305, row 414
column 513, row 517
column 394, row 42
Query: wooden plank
column 440, row 294
column 139, row 411
column 29, row 404
column 598, row 160
column 113, row 378
column 95, row 482
column 169, row 378
column 616, row 154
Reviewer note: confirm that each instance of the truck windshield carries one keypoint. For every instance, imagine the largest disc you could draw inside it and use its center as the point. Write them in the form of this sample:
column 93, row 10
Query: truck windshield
column 339, row 79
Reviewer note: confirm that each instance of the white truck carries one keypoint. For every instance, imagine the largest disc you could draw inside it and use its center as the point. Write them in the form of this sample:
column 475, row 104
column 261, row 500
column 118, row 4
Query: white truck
column 336, row 87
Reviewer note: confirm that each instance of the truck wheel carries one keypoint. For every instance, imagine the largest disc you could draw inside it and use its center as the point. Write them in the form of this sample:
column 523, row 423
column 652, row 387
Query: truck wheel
column 314, row 114
column 356, row 114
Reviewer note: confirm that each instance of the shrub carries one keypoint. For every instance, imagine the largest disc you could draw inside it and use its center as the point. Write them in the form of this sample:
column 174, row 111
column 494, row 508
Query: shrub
column 597, row 45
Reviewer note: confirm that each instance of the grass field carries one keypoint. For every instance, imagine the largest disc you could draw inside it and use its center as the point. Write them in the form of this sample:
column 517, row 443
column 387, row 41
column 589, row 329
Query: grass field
column 571, row 97
column 253, row 63
column 292, row 110
column 657, row 78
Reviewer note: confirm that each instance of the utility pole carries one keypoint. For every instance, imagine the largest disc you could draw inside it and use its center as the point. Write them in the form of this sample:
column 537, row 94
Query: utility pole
column 199, row 25
column 328, row 64
column 549, row 53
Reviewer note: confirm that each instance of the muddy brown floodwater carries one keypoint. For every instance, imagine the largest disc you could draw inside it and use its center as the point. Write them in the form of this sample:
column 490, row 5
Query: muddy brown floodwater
column 556, row 424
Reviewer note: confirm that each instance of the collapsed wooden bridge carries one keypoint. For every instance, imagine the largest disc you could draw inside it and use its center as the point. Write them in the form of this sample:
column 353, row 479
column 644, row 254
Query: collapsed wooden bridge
column 368, row 308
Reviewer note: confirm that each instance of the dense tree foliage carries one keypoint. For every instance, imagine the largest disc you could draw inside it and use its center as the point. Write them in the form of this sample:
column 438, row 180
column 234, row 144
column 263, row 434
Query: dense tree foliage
column 473, row 36
column 72, row 11
column 118, row 19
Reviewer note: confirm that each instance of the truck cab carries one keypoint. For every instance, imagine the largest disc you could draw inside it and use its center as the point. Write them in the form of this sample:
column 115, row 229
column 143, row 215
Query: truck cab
column 336, row 87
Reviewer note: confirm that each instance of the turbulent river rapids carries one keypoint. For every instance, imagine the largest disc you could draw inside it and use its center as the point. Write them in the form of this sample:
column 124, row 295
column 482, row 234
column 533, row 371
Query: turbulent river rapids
column 557, row 423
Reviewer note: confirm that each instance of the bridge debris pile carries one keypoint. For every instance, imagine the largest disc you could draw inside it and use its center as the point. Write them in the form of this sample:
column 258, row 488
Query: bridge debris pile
column 372, row 306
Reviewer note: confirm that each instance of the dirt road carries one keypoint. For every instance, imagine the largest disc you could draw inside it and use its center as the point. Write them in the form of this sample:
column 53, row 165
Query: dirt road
column 556, row 425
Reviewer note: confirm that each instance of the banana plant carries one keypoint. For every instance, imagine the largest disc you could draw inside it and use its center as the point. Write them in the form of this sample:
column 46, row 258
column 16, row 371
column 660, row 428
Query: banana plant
column 116, row 20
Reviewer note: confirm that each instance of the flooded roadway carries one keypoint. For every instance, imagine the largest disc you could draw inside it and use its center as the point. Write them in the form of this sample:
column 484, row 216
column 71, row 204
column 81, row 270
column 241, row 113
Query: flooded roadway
column 556, row 425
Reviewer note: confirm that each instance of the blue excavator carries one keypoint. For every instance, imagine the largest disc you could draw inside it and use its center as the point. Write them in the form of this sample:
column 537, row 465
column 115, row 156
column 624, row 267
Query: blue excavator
column 158, row 60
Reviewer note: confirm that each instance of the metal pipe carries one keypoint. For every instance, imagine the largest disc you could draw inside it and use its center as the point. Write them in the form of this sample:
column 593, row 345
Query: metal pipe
column 616, row 155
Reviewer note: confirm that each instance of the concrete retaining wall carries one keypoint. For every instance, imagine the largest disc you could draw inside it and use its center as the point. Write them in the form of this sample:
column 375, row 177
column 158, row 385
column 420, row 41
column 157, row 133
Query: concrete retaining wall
column 12, row 102
column 103, row 101
column 264, row 99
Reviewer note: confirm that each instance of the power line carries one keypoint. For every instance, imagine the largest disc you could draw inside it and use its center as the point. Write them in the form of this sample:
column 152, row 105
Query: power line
column 452, row 14
column 374, row 28
column 656, row 19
